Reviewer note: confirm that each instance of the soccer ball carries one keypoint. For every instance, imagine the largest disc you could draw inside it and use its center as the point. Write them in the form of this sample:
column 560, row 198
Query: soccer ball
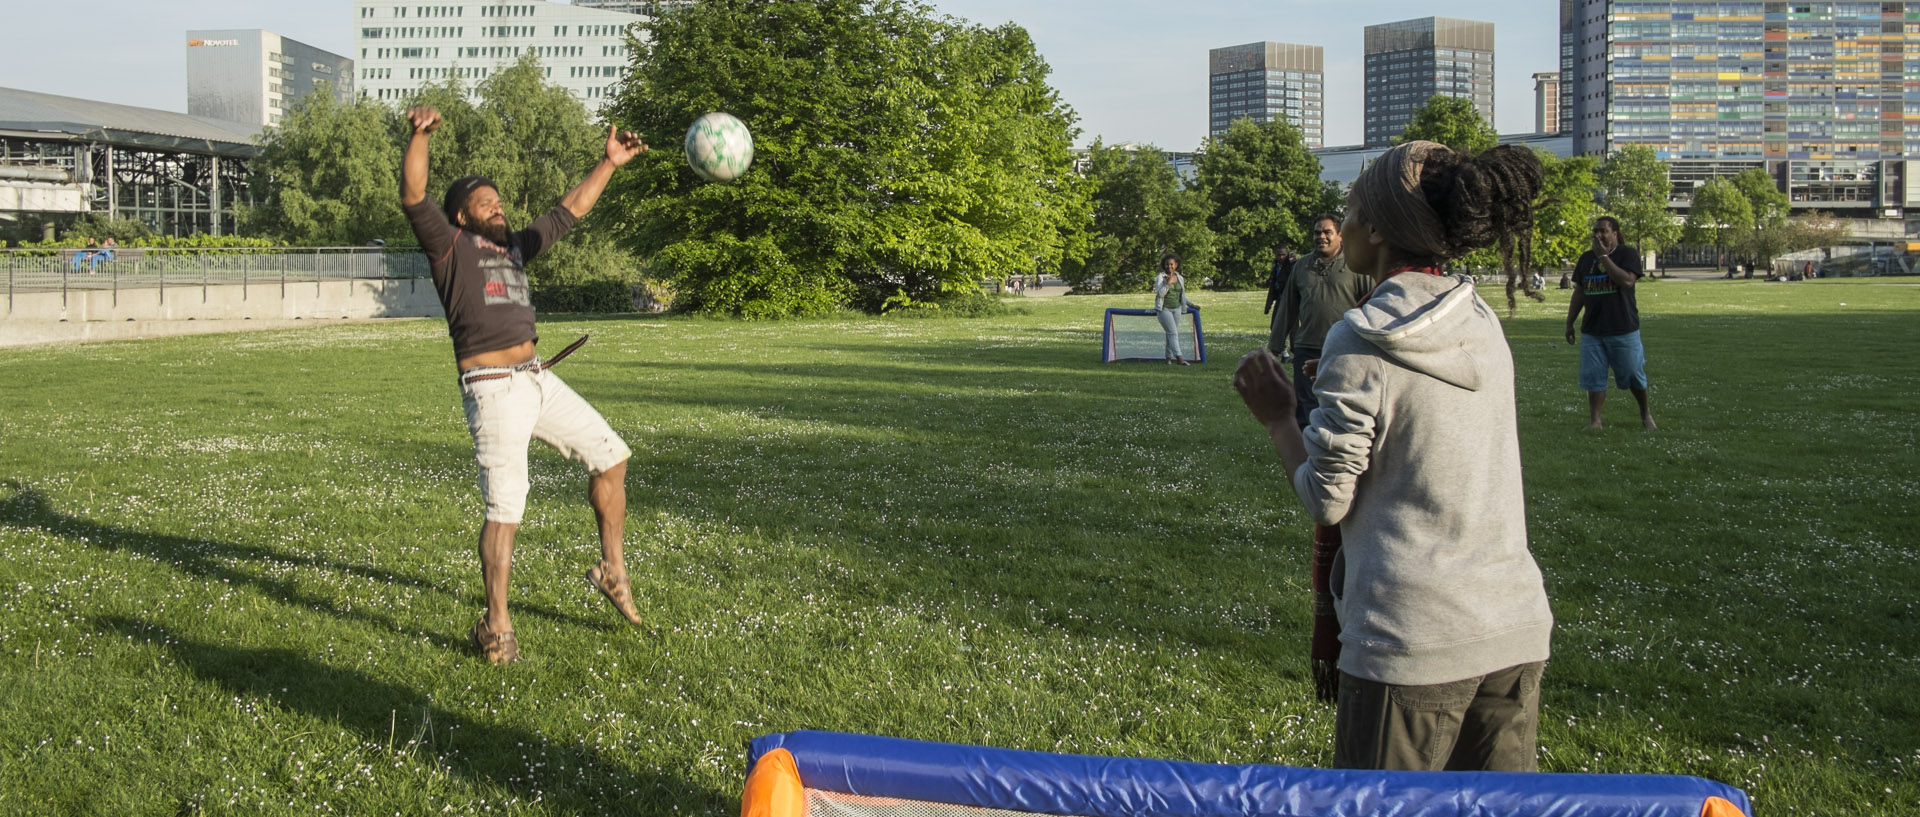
column 719, row 148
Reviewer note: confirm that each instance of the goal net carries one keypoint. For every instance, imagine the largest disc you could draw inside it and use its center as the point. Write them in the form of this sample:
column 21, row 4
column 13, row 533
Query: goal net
column 1136, row 334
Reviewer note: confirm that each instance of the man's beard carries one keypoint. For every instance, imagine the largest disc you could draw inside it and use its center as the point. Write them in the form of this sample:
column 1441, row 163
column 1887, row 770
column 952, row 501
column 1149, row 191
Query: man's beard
column 494, row 231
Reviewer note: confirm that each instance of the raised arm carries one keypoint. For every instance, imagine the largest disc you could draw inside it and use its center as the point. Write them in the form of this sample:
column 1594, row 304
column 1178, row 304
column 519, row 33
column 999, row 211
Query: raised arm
column 622, row 146
column 1621, row 276
column 1264, row 387
column 413, row 167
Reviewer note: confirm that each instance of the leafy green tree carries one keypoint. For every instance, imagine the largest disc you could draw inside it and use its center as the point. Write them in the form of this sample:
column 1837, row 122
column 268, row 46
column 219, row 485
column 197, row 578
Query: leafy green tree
column 1563, row 217
column 896, row 156
column 1140, row 212
column 1814, row 231
column 1634, row 188
column 328, row 175
column 1261, row 185
column 1765, row 238
column 1451, row 121
column 1719, row 216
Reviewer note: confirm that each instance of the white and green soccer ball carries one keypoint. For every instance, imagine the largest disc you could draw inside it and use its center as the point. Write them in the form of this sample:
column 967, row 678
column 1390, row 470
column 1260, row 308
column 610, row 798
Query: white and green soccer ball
column 719, row 148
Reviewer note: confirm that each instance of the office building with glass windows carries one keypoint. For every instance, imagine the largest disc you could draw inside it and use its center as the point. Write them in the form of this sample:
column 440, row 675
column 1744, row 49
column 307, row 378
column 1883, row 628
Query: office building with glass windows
column 1411, row 61
column 1567, row 14
column 401, row 45
column 253, row 76
column 1815, row 93
column 1267, row 82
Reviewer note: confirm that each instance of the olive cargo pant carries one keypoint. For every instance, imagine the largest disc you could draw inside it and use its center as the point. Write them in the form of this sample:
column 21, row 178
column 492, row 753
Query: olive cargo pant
column 1488, row 723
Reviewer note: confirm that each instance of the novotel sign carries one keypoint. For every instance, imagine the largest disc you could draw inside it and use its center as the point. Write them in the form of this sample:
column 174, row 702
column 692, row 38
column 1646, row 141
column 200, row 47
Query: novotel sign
column 198, row 42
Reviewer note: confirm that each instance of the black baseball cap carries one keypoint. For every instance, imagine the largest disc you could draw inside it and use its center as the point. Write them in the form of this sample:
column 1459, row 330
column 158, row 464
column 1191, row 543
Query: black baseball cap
column 458, row 193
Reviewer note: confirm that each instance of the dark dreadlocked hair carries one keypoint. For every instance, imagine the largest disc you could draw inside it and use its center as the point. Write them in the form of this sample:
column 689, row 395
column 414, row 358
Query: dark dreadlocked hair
column 1486, row 199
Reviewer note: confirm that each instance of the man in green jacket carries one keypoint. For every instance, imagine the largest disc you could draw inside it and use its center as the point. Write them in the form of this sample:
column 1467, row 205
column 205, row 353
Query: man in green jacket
column 1318, row 293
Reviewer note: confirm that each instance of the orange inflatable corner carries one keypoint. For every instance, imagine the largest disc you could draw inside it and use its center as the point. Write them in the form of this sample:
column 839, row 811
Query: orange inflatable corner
column 774, row 790
column 1715, row 807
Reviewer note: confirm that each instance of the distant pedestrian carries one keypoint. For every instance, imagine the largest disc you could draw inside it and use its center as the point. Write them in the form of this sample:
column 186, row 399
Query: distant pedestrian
column 1609, row 336
column 1170, row 301
column 1283, row 261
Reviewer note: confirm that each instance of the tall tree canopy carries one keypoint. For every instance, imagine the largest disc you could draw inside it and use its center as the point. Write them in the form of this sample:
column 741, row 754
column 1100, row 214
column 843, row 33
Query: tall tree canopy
column 1766, row 236
column 1140, row 212
column 1451, row 121
column 328, row 175
column 894, row 154
column 1634, row 188
column 1261, row 185
column 1718, row 217
column 1563, row 220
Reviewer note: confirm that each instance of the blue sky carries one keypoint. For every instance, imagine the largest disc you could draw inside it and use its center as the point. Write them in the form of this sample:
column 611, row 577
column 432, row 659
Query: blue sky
column 1134, row 70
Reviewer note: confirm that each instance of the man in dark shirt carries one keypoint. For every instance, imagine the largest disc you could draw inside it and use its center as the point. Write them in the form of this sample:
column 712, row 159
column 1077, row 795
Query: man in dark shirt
column 1609, row 338
column 1283, row 261
column 511, row 398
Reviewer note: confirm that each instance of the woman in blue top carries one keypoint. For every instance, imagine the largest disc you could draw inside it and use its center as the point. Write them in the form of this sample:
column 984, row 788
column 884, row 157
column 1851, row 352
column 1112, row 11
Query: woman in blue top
column 1169, row 300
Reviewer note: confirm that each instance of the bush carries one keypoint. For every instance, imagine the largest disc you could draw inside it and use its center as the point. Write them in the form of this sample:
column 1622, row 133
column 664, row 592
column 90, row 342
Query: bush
column 584, row 273
column 750, row 279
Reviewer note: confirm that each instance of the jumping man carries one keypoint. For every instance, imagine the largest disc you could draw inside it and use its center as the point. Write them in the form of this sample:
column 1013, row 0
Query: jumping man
column 479, row 270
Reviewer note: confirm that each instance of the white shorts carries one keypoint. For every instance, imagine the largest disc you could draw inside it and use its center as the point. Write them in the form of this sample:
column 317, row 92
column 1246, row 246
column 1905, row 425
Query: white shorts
column 504, row 412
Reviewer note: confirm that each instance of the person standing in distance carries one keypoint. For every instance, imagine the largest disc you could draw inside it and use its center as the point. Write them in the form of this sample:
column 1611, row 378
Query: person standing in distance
column 479, row 271
column 1283, row 261
column 1415, row 453
column 1609, row 337
column 1169, row 300
column 1320, row 290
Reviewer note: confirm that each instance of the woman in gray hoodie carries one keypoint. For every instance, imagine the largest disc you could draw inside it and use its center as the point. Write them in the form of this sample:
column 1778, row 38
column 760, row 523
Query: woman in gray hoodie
column 1415, row 454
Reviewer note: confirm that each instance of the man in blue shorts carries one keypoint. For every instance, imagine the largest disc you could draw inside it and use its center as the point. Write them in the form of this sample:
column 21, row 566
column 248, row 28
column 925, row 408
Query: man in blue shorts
column 1609, row 337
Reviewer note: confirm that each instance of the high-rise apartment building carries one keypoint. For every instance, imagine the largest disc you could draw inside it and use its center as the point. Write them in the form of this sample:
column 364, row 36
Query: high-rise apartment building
column 1567, row 16
column 1546, row 102
column 1266, row 82
column 253, row 76
column 1814, row 92
column 1411, row 61
column 400, row 45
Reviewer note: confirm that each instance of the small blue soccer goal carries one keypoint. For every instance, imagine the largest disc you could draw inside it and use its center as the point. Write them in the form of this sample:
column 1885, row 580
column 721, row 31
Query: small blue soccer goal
column 1135, row 334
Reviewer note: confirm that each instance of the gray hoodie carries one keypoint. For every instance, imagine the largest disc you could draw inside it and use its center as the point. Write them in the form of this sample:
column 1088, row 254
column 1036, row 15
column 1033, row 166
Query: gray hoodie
column 1414, row 452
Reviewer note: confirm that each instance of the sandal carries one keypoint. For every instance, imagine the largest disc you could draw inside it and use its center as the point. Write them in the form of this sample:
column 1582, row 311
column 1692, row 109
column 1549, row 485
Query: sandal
column 499, row 648
column 617, row 592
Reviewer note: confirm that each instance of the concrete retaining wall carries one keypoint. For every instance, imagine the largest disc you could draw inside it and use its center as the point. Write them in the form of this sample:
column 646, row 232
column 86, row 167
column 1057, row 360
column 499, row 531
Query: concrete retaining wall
column 54, row 317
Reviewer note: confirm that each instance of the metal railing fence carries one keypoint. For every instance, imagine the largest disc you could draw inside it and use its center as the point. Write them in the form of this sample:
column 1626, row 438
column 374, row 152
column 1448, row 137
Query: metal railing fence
column 66, row 271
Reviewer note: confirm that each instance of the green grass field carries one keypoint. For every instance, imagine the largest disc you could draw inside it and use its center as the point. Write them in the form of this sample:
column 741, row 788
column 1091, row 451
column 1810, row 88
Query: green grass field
column 238, row 570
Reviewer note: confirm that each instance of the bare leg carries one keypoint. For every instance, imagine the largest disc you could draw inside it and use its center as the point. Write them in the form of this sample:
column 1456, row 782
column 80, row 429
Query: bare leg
column 496, row 559
column 1646, row 417
column 1595, row 399
column 607, row 493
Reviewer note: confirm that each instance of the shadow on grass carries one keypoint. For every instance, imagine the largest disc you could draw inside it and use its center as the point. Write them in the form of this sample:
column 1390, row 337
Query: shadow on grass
column 28, row 508
column 561, row 776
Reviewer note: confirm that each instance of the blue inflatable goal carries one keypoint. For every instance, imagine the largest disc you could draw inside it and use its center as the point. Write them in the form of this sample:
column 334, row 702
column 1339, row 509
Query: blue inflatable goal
column 829, row 773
